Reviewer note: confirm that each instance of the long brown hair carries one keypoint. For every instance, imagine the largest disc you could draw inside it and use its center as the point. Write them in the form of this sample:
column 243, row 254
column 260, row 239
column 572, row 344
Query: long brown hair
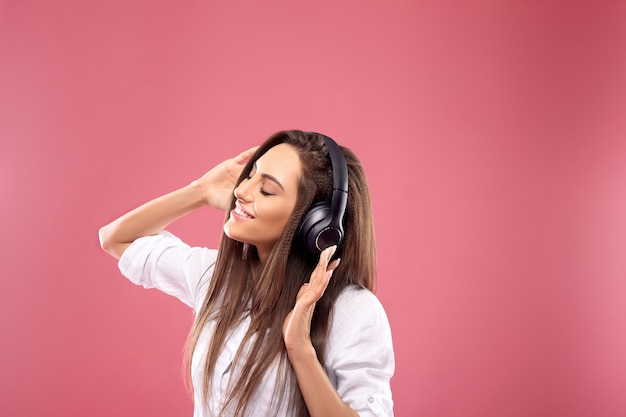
column 241, row 285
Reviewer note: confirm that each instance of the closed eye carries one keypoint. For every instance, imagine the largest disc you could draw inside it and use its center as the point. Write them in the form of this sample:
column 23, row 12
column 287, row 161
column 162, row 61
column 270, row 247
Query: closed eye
column 262, row 191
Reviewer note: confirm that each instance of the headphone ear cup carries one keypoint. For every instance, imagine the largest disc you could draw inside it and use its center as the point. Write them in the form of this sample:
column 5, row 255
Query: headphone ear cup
column 313, row 223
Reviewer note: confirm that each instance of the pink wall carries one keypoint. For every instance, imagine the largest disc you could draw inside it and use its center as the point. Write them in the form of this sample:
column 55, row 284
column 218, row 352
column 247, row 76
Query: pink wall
column 493, row 135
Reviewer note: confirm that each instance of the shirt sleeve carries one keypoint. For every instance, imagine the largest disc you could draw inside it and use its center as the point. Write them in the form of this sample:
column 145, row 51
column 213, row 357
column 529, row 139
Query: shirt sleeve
column 360, row 359
column 166, row 263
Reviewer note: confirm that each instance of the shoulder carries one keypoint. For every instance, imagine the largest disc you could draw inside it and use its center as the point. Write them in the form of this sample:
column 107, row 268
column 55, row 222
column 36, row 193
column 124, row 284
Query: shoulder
column 355, row 303
column 358, row 313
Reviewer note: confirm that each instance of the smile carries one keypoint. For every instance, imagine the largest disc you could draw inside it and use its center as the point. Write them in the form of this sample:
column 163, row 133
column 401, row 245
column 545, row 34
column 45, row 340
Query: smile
column 238, row 211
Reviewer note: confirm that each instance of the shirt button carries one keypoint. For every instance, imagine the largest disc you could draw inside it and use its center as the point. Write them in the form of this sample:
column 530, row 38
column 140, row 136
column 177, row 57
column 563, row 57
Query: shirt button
column 370, row 400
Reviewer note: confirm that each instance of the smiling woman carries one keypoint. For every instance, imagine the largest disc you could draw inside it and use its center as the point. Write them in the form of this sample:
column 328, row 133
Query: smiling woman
column 273, row 333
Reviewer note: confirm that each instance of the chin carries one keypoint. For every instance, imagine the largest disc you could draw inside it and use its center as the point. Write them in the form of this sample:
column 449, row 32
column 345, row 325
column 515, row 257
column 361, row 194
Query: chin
column 229, row 233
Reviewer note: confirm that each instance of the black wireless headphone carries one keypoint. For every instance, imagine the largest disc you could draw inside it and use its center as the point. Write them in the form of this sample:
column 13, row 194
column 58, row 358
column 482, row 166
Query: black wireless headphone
column 322, row 225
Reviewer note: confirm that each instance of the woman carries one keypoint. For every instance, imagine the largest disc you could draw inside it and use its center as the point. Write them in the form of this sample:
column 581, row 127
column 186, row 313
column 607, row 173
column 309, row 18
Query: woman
column 273, row 333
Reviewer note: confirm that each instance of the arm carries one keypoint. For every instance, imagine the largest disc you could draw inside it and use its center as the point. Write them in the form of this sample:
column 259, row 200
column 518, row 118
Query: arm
column 214, row 189
column 320, row 396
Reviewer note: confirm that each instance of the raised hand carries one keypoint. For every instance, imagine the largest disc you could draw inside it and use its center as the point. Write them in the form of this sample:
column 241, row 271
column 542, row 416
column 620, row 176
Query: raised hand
column 297, row 325
column 218, row 184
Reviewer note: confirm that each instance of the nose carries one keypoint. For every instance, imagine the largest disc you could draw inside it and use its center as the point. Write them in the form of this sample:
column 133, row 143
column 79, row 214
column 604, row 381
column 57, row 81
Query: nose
column 242, row 191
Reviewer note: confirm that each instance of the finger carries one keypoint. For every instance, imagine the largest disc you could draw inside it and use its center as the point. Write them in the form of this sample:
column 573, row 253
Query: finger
column 322, row 273
column 318, row 274
column 322, row 264
column 245, row 154
column 333, row 265
column 326, row 256
column 311, row 294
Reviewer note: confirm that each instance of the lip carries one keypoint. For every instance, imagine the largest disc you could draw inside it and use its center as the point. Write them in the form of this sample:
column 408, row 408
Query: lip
column 237, row 216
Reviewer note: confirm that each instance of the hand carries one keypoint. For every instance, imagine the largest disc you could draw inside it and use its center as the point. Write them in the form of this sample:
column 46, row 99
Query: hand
column 297, row 325
column 218, row 184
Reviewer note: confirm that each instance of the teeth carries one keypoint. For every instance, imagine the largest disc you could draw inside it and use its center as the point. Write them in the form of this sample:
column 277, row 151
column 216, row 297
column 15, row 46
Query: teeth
column 242, row 213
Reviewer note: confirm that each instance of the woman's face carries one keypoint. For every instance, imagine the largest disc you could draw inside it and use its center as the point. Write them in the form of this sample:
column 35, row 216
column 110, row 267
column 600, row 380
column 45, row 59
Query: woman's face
column 265, row 200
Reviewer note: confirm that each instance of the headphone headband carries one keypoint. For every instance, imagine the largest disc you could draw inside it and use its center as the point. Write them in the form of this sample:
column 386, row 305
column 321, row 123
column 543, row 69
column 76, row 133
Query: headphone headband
column 339, row 196
column 322, row 226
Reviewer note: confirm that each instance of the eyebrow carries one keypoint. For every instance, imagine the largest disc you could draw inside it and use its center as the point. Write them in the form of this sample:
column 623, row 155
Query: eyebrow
column 271, row 177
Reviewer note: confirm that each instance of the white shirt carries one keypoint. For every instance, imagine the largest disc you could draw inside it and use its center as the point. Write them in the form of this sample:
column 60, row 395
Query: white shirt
column 359, row 354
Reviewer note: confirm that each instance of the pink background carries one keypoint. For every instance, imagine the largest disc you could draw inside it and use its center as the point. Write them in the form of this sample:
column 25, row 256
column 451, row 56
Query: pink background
column 493, row 134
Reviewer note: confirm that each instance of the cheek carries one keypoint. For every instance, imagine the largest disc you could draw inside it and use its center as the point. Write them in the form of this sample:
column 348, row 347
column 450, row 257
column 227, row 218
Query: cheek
column 281, row 218
column 280, row 215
